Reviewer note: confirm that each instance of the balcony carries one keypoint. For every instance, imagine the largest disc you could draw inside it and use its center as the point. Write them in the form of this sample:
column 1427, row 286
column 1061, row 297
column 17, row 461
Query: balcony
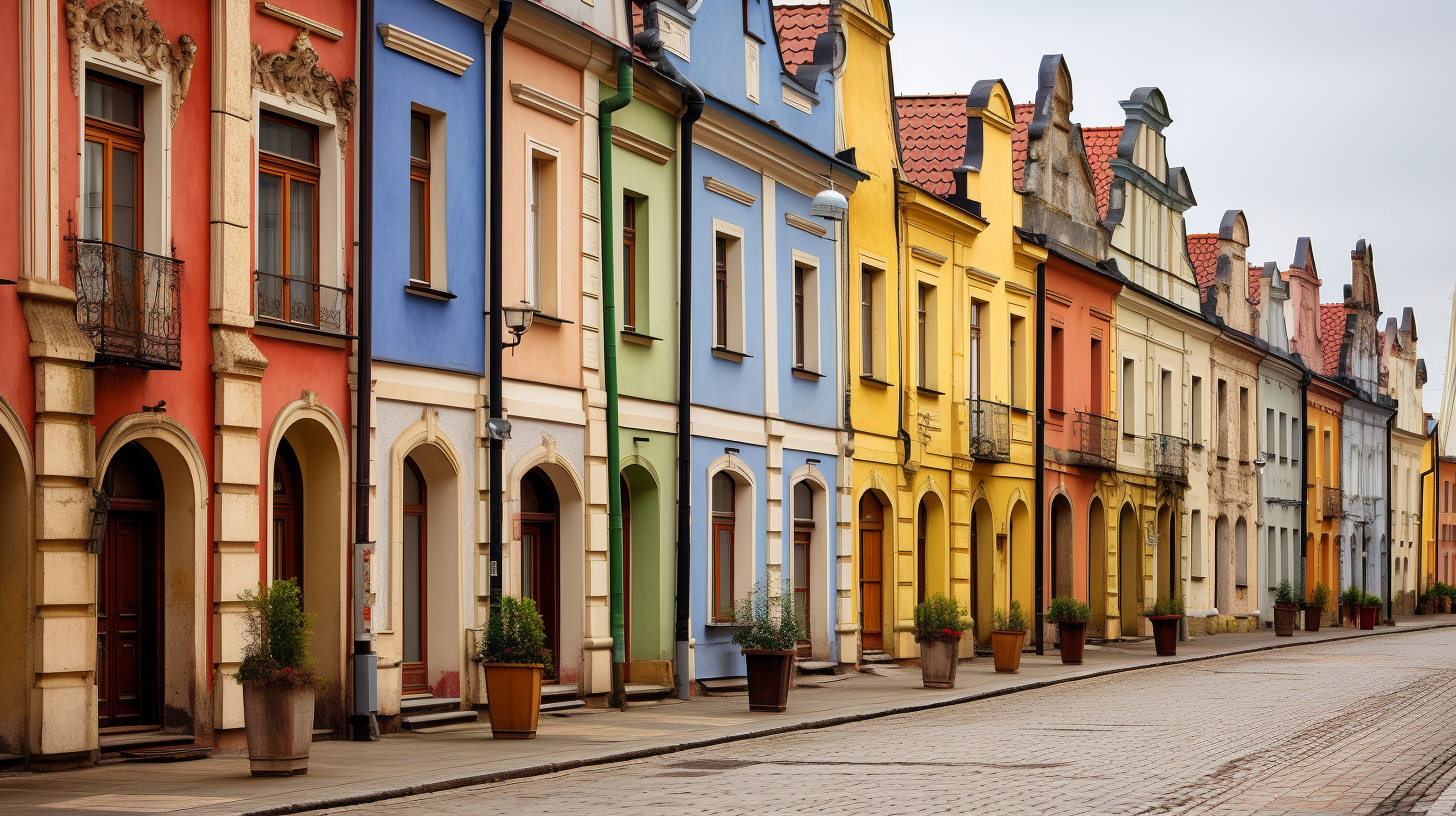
column 1096, row 440
column 1334, row 503
column 1169, row 457
column 302, row 304
column 990, row 436
column 128, row 303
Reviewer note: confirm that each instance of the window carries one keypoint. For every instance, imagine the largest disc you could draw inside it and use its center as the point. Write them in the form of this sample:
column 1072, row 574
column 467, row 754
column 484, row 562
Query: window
column 1129, row 398
column 1018, row 361
column 1168, row 419
column 1055, row 387
column 1195, row 410
column 288, row 198
column 869, row 331
column 1283, row 435
column 1195, row 544
column 720, row 291
column 728, row 289
column 926, row 331
column 1095, row 365
column 1273, row 557
column 724, row 503
column 806, row 314
column 1243, row 424
column 420, row 198
column 1270, row 431
column 978, row 309
column 1220, row 428
column 1328, row 466
column 629, row 262
column 803, row 535
column 111, row 207
column 541, row 232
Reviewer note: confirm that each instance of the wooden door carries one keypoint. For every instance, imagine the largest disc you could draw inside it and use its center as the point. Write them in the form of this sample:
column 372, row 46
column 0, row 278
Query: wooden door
column 541, row 583
column 414, row 625
column 128, row 620
column 802, row 608
column 871, row 570
column 287, row 517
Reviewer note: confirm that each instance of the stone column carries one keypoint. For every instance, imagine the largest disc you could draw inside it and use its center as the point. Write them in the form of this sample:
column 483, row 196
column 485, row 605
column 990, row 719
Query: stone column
column 596, row 646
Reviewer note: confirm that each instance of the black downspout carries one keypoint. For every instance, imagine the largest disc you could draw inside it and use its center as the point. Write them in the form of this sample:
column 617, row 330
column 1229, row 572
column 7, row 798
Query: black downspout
column 1389, row 525
column 496, row 323
column 363, row 723
column 1304, row 487
column 1421, row 535
column 1039, row 451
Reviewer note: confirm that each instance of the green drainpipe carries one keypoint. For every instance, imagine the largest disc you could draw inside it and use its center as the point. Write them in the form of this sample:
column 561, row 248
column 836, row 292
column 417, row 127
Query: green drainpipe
column 609, row 341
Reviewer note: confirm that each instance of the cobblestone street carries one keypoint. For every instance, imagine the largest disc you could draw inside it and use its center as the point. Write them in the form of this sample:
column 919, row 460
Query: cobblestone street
column 1364, row 726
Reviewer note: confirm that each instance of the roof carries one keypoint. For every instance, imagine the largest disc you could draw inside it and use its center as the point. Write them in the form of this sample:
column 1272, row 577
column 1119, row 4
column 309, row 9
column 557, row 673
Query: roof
column 1019, row 143
column 932, row 139
column 1332, row 334
column 1101, row 143
column 1203, row 252
column 1255, row 274
column 798, row 27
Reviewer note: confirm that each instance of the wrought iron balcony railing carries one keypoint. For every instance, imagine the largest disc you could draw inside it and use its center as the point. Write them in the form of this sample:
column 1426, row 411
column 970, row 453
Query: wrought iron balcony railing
column 1334, row 502
column 1096, row 440
column 990, row 425
column 300, row 302
column 1169, row 456
column 128, row 303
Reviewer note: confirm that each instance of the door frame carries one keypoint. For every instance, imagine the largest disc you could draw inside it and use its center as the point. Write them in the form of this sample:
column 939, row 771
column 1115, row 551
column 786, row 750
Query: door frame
column 879, row 561
column 415, row 677
column 149, row 714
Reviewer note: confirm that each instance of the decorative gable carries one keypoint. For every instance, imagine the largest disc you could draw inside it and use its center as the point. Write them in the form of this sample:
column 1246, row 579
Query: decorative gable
column 1057, row 172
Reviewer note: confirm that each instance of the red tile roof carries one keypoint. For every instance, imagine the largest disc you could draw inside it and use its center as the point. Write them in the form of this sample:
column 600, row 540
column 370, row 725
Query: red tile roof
column 1203, row 251
column 1019, row 143
column 1101, row 145
column 1255, row 274
column 932, row 139
column 799, row 26
column 1332, row 333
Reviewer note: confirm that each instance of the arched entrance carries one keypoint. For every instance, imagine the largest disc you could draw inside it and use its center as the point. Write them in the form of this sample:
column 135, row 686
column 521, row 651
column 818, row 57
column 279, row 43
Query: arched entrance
column 541, row 555
column 1167, row 572
column 1223, row 561
column 287, row 515
column 129, row 636
column 871, row 573
column 1022, row 574
column 1063, row 572
column 414, row 624
column 1097, row 566
column 983, row 569
column 931, row 548
column 430, row 623
column 799, row 565
column 15, row 559
column 1129, row 572
column 648, row 602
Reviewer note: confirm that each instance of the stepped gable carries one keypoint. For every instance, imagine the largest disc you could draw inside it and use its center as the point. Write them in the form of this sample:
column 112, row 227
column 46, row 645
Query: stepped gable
column 1203, row 252
column 932, row 139
column 1332, row 334
column 1024, row 114
column 1101, row 143
column 799, row 26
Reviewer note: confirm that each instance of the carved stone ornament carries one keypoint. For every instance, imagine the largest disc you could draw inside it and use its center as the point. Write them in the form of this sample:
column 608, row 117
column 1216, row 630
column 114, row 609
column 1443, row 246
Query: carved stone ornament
column 123, row 29
column 296, row 75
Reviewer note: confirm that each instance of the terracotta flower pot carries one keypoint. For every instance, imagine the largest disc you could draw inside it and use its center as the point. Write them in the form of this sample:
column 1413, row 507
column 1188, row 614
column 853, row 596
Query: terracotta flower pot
column 1165, row 634
column 1006, row 650
column 768, row 679
column 1073, row 635
column 938, row 661
column 278, row 722
column 513, row 696
column 1284, row 620
column 1312, row 618
column 1368, row 616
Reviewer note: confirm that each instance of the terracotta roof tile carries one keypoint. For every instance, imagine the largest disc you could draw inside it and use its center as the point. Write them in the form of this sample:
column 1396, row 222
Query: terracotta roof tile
column 1101, row 145
column 1255, row 274
column 799, row 26
column 932, row 139
column 1203, row 252
column 1019, row 143
column 1332, row 334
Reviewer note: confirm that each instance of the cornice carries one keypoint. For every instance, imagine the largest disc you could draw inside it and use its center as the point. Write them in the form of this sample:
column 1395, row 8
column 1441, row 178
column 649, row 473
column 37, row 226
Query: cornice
column 982, row 275
column 800, row 222
column 928, row 256
column 799, row 170
column 428, row 51
column 546, row 103
column 1058, row 297
column 293, row 18
column 641, row 145
column 727, row 190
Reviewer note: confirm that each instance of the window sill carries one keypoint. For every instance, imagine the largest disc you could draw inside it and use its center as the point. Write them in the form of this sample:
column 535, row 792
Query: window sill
column 1016, row 409
column 724, row 625
column 1057, row 412
column 730, row 355
column 873, row 381
column 1198, row 446
column 639, row 338
column 424, row 290
column 550, row 320
column 922, row 389
column 806, row 374
column 301, row 334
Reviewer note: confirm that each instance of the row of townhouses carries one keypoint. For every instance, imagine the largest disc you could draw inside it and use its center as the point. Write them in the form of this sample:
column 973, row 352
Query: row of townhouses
column 625, row 306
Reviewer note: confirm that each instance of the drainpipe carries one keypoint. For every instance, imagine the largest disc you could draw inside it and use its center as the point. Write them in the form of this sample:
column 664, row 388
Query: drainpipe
column 1303, row 489
column 1038, row 452
column 363, row 724
column 651, row 45
column 496, row 323
column 609, row 336
column 1389, row 524
column 1421, row 534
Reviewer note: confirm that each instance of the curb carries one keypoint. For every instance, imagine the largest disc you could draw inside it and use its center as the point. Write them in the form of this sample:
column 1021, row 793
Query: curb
column 827, row 722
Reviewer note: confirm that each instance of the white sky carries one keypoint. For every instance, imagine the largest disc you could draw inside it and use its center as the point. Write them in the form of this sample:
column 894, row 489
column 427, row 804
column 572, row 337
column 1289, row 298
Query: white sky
column 1327, row 119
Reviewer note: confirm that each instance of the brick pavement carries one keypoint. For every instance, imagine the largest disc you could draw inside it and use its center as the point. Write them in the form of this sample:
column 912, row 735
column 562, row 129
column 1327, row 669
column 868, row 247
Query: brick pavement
column 1363, row 726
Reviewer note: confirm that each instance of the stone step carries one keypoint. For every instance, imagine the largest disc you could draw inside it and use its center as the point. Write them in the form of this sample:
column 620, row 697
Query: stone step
column 136, row 740
column 415, row 722
column 714, row 686
column 561, row 705
column 876, row 657
column 168, row 754
column 426, row 704
column 641, row 692
column 817, row 666
column 558, row 692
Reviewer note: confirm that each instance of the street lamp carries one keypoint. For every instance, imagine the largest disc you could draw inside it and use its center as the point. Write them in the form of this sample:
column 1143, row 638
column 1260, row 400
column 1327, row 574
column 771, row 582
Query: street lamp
column 518, row 321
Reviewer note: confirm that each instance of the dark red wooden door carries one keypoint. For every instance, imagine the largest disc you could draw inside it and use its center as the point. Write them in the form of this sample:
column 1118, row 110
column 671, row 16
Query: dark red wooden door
column 127, row 621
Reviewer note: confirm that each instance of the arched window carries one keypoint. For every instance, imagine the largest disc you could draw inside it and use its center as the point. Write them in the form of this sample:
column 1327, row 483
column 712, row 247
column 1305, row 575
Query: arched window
column 724, row 509
column 803, row 534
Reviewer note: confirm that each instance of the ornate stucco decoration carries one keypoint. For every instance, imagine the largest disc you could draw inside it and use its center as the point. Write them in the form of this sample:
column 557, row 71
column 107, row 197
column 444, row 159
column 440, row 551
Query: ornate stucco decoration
column 123, row 29
column 295, row 74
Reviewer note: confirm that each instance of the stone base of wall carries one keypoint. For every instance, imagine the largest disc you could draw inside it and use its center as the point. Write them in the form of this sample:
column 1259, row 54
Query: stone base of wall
column 1222, row 625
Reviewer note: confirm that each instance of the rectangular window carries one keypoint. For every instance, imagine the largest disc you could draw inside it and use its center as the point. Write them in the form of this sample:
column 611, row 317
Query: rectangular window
column 420, row 198
column 1273, row 557
column 1220, row 428
column 799, row 273
column 1243, row 424
column 629, row 262
column 1296, row 441
column 978, row 309
column 1283, row 435
column 728, row 292
column 1270, row 432
column 1326, row 458
column 1167, row 419
column 542, row 219
column 1195, row 544
column 1055, row 388
column 1019, row 348
column 1096, row 365
column 873, row 325
column 750, row 67
column 1129, row 398
column 926, row 334
column 111, row 205
column 288, row 204
column 1195, row 410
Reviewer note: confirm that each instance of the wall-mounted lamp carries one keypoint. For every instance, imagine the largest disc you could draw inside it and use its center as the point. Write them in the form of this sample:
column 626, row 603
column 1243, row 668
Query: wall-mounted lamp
column 812, row 461
column 518, row 321
column 640, row 439
column 733, row 451
column 101, row 503
column 499, row 428
column 830, row 204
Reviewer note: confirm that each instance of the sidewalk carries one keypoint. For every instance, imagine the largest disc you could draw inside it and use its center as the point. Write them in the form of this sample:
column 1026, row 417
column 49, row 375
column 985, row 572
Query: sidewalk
column 343, row 773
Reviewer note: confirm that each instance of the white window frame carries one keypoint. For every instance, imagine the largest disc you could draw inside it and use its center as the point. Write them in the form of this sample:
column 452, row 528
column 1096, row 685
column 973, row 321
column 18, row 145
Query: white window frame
column 737, row 339
column 547, row 299
column 811, row 312
column 745, row 529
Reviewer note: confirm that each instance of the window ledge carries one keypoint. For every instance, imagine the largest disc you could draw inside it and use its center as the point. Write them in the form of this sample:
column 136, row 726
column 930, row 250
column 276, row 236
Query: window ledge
column 922, row 389
column 551, row 320
column 632, row 336
column 1019, row 410
column 424, row 290
column 806, row 374
column 1060, row 412
column 302, row 334
column 724, row 625
column 729, row 354
column 873, row 381
column 1198, row 446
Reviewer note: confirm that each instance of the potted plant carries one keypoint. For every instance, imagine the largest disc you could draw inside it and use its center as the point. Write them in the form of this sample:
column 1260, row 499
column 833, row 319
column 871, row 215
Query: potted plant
column 1165, row 615
column 1071, row 617
column 514, row 654
column 1423, row 602
column 1350, row 605
column 1316, row 607
column 769, row 635
column 1370, row 610
column 1286, row 608
column 939, row 624
column 1008, row 633
column 1443, row 593
column 278, row 680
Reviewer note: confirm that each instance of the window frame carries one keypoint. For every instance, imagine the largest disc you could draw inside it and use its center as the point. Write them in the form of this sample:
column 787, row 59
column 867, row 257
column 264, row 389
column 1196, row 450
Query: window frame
column 541, row 281
column 804, row 332
column 729, row 332
column 289, row 170
column 723, row 521
column 112, row 136
column 420, row 172
column 629, row 262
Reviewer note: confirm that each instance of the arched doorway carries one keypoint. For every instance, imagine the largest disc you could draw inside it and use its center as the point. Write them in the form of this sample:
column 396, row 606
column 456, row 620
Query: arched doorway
column 626, row 578
column 983, row 571
column 931, row 548
column 541, row 555
column 1063, row 572
column 15, row 559
column 800, row 564
column 648, row 599
column 414, row 626
column 1222, row 565
column 871, row 573
column 1165, row 584
column 128, row 594
column 1022, row 573
column 287, row 515
column 1097, row 566
column 1129, row 572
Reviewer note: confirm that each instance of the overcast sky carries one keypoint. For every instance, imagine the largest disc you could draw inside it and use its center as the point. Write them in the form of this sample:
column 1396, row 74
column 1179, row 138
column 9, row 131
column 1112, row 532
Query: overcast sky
column 1327, row 119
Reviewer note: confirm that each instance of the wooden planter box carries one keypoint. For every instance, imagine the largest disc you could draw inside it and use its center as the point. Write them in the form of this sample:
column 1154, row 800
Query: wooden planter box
column 1368, row 616
column 938, row 661
column 1312, row 618
column 768, row 679
column 1284, row 620
column 1006, row 650
column 513, row 695
column 278, row 723
column 1165, row 634
column 1073, row 635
